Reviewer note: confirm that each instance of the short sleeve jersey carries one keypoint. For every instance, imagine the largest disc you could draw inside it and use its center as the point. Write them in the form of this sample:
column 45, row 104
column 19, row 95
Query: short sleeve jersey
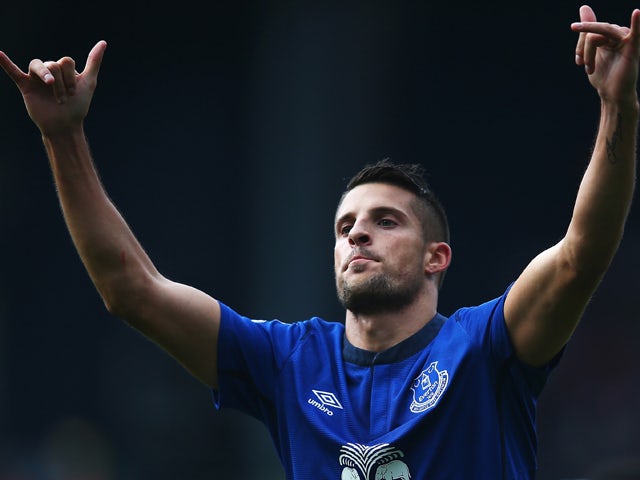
column 450, row 402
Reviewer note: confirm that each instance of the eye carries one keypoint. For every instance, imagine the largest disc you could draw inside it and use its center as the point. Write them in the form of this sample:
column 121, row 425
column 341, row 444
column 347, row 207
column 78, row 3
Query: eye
column 387, row 223
column 345, row 229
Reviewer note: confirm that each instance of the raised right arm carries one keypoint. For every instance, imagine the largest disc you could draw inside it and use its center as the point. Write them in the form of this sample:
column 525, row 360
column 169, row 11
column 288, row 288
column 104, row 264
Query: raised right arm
column 182, row 320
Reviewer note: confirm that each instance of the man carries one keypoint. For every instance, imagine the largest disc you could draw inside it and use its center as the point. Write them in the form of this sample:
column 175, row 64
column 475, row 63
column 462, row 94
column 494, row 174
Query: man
column 398, row 391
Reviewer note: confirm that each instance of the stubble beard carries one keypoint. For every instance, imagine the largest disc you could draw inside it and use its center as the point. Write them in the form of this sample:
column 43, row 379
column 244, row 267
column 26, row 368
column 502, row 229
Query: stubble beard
column 378, row 294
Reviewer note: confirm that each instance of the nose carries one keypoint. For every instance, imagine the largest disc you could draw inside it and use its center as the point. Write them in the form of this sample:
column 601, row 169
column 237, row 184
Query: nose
column 359, row 235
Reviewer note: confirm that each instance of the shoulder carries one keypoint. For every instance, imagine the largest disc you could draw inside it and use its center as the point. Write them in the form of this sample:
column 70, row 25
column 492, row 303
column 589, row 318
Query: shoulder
column 484, row 324
column 486, row 311
column 232, row 321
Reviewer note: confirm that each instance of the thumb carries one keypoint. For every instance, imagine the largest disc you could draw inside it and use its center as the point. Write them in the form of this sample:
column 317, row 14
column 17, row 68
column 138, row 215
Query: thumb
column 94, row 60
column 635, row 28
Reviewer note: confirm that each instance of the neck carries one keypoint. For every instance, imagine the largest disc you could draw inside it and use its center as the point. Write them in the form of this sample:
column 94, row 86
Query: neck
column 378, row 332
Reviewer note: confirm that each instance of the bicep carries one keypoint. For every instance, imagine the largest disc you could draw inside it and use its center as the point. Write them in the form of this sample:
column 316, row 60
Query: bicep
column 183, row 321
column 545, row 305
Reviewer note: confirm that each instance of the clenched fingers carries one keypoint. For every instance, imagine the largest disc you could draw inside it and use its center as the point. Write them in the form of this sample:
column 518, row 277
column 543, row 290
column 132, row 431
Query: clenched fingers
column 586, row 15
column 59, row 75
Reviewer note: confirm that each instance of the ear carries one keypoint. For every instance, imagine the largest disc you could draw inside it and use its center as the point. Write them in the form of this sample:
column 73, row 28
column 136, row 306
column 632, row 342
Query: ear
column 437, row 258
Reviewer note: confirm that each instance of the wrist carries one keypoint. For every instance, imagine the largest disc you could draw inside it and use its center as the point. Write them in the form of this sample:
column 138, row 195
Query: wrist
column 628, row 107
column 63, row 136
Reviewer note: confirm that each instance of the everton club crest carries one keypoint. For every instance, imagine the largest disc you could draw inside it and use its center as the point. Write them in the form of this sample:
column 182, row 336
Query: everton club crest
column 428, row 387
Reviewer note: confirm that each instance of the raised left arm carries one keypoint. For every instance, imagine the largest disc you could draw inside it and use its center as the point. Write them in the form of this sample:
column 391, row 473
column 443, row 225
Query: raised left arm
column 547, row 301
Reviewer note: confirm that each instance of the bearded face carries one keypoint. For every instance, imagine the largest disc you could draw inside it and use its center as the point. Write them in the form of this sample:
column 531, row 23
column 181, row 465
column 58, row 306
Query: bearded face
column 380, row 250
column 378, row 292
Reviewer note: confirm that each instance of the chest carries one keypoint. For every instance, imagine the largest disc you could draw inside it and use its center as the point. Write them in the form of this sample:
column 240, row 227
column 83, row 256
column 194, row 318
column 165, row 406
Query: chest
column 389, row 421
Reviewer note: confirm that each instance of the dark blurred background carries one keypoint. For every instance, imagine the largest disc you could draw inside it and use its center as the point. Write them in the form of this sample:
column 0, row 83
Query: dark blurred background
column 225, row 133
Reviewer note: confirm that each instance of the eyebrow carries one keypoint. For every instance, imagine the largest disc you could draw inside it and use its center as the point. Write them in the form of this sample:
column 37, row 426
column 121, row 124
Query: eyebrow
column 376, row 212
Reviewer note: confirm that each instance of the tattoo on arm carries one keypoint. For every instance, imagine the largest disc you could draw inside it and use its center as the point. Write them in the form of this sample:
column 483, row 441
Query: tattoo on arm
column 612, row 144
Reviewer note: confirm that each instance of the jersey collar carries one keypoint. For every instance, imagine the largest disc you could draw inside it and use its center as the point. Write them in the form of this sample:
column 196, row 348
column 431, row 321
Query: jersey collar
column 397, row 353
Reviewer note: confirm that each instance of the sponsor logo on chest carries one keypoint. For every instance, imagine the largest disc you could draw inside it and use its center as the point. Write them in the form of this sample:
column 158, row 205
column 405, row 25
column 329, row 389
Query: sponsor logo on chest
column 326, row 402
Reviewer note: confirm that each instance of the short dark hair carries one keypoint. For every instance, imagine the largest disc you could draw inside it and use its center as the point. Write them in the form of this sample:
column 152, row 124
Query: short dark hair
column 409, row 177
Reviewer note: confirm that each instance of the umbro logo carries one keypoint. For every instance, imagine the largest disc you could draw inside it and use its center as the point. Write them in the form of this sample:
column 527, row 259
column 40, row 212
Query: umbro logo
column 325, row 402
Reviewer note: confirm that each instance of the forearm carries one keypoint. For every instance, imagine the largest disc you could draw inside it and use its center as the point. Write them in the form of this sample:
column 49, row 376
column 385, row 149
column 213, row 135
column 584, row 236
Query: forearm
column 110, row 252
column 606, row 190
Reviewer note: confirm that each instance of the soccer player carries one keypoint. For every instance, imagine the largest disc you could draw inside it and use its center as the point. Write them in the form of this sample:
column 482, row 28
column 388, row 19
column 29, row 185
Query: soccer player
column 398, row 390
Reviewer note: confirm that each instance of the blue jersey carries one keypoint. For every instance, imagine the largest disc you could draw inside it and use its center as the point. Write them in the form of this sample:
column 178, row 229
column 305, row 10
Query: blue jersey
column 450, row 402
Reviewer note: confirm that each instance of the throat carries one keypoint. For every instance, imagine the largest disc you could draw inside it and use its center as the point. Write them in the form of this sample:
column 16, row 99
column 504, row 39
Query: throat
column 381, row 332
column 360, row 355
